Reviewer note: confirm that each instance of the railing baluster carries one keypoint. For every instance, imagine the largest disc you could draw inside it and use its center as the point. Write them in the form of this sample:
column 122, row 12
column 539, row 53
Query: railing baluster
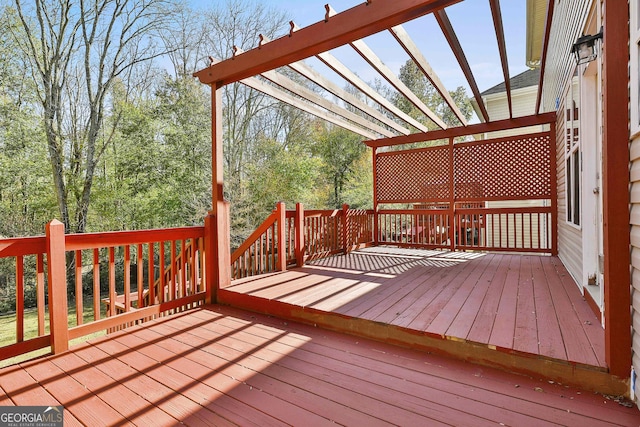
column 40, row 292
column 96, row 284
column 20, row 298
column 79, row 299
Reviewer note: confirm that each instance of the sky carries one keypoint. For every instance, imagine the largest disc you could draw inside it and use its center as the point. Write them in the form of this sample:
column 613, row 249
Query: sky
column 471, row 19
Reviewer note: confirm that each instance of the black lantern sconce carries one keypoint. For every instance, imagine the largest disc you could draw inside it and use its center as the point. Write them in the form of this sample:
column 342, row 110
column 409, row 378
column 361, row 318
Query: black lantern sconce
column 586, row 48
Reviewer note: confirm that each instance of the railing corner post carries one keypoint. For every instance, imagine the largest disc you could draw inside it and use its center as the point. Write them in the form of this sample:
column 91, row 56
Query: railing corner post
column 218, row 250
column 299, row 238
column 282, row 248
column 57, row 278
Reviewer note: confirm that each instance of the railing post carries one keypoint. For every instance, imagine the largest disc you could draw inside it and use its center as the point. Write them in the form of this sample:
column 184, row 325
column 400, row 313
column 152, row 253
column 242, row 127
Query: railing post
column 281, row 213
column 299, row 238
column 346, row 241
column 375, row 197
column 218, row 251
column 57, row 275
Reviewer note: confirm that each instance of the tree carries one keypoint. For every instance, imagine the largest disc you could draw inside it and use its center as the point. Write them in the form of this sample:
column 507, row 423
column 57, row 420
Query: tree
column 76, row 52
column 339, row 149
column 415, row 80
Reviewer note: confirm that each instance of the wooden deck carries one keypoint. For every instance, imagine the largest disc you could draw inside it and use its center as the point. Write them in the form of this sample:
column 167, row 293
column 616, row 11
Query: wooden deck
column 527, row 306
column 222, row 366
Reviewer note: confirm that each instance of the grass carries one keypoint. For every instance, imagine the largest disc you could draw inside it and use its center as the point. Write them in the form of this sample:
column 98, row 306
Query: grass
column 8, row 329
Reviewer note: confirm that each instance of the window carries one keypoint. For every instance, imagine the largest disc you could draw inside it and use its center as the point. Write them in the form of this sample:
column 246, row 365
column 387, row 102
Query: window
column 572, row 153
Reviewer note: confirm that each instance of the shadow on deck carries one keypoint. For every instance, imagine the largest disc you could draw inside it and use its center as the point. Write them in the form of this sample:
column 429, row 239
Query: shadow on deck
column 521, row 313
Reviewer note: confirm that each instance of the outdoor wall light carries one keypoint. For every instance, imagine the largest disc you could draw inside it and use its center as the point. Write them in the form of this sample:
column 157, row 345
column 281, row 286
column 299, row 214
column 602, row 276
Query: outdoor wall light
column 586, row 47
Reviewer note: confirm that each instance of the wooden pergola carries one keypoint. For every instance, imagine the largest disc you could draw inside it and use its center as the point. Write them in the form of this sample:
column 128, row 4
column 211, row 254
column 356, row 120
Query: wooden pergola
column 258, row 68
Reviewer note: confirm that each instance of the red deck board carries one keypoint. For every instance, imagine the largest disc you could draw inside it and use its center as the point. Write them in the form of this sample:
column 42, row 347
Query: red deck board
column 84, row 405
column 445, row 279
column 154, row 392
column 19, row 388
column 131, row 405
column 359, row 403
column 480, row 385
column 201, row 366
column 588, row 320
column 464, row 296
column 576, row 340
column 386, row 389
column 525, row 338
column 551, row 341
column 439, row 312
column 372, row 305
column 482, row 326
column 468, row 313
column 504, row 326
column 220, row 365
column 211, row 400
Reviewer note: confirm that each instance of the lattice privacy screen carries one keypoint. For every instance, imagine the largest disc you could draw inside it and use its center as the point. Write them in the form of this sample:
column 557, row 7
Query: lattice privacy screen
column 514, row 168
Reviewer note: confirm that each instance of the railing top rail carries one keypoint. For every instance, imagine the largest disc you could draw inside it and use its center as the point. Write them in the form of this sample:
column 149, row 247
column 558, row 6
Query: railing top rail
column 75, row 242
column 22, row 246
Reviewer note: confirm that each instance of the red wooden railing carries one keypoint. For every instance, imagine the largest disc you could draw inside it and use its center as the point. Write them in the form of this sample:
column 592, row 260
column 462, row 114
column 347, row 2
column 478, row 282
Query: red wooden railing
column 301, row 235
column 173, row 280
column 518, row 229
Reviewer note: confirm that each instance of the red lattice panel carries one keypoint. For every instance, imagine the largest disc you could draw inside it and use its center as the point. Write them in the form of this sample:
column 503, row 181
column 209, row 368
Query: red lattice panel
column 515, row 168
column 413, row 176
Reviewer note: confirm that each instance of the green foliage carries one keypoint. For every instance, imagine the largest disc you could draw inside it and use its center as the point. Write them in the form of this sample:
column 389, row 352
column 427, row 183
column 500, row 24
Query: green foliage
column 339, row 149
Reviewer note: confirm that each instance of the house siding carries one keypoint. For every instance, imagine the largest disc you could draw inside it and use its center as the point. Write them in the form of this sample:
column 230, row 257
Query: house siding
column 569, row 18
column 635, row 255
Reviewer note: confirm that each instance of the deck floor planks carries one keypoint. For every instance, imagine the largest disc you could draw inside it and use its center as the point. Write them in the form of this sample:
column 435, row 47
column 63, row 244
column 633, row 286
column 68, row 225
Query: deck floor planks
column 85, row 406
column 131, row 405
column 211, row 400
column 557, row 404
column 504, row 326
column 21, row 389
column 443, row 279
column 510, row 310
column 525, row 338
column 340, row 299
column 468, row 313
column 154, row 392
column 358, row 403
column 576, row 341
column 193, row 350
column 482, row 326
column 369, row 307
column 551, row 341
column 588, row 320
column 349, row 373
column 438, row 314
column 221, row 374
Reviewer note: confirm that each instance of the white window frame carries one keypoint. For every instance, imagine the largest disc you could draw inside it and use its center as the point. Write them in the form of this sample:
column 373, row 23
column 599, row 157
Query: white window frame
column 573, row 154
column 634, row 45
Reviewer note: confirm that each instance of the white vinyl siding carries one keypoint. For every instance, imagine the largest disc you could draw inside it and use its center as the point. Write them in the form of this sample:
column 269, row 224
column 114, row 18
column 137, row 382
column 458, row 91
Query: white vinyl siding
column 634, row 178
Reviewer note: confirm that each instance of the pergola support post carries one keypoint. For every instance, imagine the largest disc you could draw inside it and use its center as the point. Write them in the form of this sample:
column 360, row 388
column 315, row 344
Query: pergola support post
column 615, row 185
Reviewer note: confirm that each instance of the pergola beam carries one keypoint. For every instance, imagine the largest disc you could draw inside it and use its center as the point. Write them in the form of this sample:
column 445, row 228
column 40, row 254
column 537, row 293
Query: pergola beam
column 543, row 57
column 301, row 91
column 452, row 38
column 280, row 95
column 317, row 78
column 353, row 24
column 416, row 55
column 502, row 48
column 361, row 47
column 351, row 77
column 517, row 122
